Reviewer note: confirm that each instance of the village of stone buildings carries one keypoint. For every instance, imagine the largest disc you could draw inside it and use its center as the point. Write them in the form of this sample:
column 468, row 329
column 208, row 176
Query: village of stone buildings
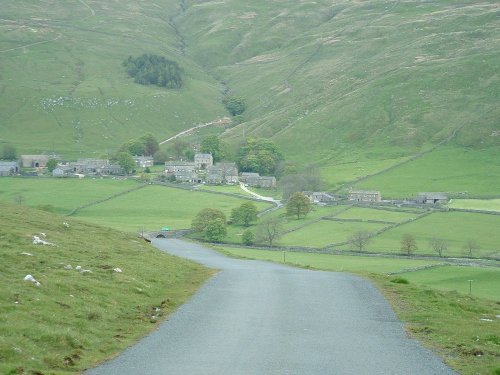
column 202, row 170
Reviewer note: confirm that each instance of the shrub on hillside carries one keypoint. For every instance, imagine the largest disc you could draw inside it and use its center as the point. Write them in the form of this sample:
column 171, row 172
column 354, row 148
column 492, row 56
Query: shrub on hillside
column 399, row 280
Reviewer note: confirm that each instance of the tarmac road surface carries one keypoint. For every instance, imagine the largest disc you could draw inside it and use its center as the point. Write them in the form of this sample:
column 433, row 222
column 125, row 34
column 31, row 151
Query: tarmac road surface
column 259, row 318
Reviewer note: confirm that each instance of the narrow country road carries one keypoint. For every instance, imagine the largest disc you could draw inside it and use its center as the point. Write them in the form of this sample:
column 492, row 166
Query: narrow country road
column 262, row 318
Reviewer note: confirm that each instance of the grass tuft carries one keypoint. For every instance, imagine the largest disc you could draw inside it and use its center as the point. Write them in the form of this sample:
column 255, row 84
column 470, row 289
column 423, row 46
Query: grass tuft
column 400, row 280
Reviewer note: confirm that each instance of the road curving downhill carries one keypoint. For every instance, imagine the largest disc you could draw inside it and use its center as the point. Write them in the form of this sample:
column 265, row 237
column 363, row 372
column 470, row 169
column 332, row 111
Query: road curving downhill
column 261, row 318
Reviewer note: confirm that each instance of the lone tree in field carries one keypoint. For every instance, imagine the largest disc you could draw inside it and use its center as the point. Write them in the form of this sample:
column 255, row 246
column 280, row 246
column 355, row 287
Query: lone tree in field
column 298, row 205
column 215, row 231
column 270, row 230
column 205, row 217
column 471, row 246
column 360, row 239
column 438, row 245
column 408, row 244
column 244, row 214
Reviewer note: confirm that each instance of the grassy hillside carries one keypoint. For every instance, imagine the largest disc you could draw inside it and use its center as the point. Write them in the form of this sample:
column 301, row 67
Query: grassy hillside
column 73, row 320
column 62, row 85
column 353, row 87
column 328, row 78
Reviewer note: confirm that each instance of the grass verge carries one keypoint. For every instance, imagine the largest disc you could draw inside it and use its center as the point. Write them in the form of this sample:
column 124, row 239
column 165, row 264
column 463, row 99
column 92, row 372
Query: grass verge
column 74, row 320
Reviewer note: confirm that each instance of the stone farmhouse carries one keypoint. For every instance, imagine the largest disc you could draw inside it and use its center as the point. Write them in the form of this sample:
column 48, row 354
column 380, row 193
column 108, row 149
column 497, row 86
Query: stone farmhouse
column 431, row 198
column 184, row 171
column 202, row 170
column 255, row 180
column 95, row 167
column 222, row 173
column 365, row 196
column 63, row 171
column 203, row 161
column 9, row 168
column 144, row 161
column 318, row 197
column 34, row 161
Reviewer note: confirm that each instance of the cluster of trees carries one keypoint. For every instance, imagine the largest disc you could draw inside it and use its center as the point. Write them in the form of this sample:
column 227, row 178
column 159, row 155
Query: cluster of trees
column 212, row 144
column 259, row 155
column 255, row 155
column 146, row 145
column 308, row 180
column 211, row 223
column 150, row 69
column 438, row 245
column 8, row 152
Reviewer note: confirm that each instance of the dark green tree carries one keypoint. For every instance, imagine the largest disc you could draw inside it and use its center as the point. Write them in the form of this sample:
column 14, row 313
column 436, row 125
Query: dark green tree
column 247, row 238
column 244, row 214
column 213, row 145
column 160, row 157
column 151, row 145
column 8, row 152
column 205, row 217
column 235, row 105
column 189, row 154
column 177, row 148
column 134, row 147
column 298, row 205
column 308, row 180
column 215, row 230
column 51, row 164
column 261, row 156
column 126, row 161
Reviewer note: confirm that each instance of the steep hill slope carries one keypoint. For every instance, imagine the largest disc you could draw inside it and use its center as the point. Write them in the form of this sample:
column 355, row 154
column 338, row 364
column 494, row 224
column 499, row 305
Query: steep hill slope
column 75, row 319
column 63, row 87
column 323, row 77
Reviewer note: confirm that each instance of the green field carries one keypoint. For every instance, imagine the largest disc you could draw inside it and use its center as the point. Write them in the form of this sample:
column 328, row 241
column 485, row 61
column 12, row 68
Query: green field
column 329, row 262
column 456, row 228
column 156, row 206
column 447, row 169
column 63, row 195
column 75, row 320
column 476, row 204
column 325, row 232
column 231, row 189
column 485, row 281
column 390, row 216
